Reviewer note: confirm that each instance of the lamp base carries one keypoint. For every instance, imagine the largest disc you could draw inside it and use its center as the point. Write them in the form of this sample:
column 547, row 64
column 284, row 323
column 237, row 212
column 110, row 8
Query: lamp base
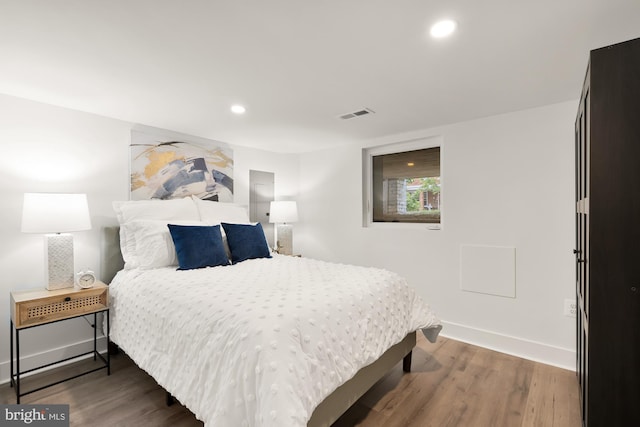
column 284, row 239
column 59, row 261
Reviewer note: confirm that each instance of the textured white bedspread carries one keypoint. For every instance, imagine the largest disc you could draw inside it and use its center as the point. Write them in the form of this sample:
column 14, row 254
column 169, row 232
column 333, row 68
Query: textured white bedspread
column 263, row 342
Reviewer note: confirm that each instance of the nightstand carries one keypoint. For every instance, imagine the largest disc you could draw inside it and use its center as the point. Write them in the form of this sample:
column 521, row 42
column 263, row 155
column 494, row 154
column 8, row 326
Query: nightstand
column 36, row 307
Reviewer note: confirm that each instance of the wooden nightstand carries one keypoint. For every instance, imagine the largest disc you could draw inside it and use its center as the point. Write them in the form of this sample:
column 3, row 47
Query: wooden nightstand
column 37, row 307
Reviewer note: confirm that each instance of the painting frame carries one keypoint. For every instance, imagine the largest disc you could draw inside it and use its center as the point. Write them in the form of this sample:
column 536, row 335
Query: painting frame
column 172, row 166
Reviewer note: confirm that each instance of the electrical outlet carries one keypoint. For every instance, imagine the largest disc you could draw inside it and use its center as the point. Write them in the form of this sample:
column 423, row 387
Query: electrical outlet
column 570, row 308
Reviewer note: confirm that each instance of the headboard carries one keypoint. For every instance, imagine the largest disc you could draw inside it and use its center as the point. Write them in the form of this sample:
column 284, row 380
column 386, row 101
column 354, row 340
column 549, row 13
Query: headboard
column 111, row 256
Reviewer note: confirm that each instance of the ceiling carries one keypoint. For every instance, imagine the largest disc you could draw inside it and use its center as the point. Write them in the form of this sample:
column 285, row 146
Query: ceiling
column 298, row 65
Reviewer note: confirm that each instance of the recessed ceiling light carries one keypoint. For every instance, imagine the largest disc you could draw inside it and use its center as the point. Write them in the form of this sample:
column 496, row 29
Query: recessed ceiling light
column 411, row 164
column 238, row 109
column 443, row 28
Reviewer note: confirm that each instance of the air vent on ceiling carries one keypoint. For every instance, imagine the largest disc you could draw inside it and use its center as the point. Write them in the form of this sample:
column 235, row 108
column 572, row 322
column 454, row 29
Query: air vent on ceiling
column 354, row 114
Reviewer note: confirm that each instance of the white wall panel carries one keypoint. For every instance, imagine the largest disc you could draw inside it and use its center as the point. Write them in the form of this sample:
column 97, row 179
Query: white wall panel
column 488, row 270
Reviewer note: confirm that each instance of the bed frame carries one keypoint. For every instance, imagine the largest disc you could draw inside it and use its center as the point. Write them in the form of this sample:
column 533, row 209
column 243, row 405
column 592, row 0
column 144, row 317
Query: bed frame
column 331, row 408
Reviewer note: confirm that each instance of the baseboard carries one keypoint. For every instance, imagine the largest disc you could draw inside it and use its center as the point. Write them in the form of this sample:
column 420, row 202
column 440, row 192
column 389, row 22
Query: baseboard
column 38, row 359
column 538, row 352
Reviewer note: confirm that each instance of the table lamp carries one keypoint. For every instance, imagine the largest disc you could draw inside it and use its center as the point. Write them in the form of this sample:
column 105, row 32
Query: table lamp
column 283, row 213
column 56, row 214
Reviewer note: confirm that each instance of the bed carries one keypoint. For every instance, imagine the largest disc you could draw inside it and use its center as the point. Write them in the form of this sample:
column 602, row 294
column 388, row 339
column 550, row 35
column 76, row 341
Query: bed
column 267, row 341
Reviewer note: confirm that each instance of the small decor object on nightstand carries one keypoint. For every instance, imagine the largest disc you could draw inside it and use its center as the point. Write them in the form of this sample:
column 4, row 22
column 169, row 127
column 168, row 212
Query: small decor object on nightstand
column 86, row 279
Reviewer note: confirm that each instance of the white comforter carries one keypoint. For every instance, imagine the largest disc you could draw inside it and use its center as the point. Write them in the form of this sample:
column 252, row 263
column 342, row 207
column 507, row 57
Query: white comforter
column 263, row 342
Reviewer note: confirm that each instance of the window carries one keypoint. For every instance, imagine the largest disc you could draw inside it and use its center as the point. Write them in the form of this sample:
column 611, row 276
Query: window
column 404, row 183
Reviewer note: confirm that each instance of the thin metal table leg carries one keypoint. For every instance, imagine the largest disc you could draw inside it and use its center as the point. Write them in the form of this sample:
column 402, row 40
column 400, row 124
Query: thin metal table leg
column 18, row 366
column 95, row 334
column 11, row 352
column 108, row 352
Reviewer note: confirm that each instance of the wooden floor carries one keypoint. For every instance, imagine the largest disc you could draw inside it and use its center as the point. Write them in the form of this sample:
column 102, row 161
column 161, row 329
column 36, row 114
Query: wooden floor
column 451, row 384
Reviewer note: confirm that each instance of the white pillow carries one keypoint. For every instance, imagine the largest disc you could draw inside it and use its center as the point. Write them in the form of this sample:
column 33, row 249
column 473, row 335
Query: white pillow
column 216, row 212
column 147, row 244
column 174, row 209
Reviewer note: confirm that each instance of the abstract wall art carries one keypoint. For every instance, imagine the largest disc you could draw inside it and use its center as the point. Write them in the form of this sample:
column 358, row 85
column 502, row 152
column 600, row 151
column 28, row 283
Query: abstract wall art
column 170, row 168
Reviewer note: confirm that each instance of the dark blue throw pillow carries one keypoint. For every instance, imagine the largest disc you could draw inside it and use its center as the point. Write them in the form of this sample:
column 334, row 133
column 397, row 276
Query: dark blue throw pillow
column 246, row 242
column 198, row 246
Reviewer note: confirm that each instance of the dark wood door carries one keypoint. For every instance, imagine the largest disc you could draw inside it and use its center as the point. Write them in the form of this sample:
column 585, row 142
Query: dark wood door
column 608, row 236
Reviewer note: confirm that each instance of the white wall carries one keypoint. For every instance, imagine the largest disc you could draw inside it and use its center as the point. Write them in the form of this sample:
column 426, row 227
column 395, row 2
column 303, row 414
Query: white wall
column 51, row 149
column 507, row 181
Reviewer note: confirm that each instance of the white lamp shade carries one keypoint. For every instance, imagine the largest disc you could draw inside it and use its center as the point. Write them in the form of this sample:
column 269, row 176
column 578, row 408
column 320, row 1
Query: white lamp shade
column 283, row 212
column 55, row 213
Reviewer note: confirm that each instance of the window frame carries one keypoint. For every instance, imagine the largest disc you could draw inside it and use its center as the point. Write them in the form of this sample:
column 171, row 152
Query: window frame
column 367, row 180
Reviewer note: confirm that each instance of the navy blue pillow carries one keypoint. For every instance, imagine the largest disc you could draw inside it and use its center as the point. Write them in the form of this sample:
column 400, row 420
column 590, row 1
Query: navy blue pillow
column 198, row 246
column 246, row 242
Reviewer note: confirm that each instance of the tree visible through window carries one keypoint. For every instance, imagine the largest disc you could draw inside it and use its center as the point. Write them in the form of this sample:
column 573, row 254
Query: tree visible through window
column 406, row 186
